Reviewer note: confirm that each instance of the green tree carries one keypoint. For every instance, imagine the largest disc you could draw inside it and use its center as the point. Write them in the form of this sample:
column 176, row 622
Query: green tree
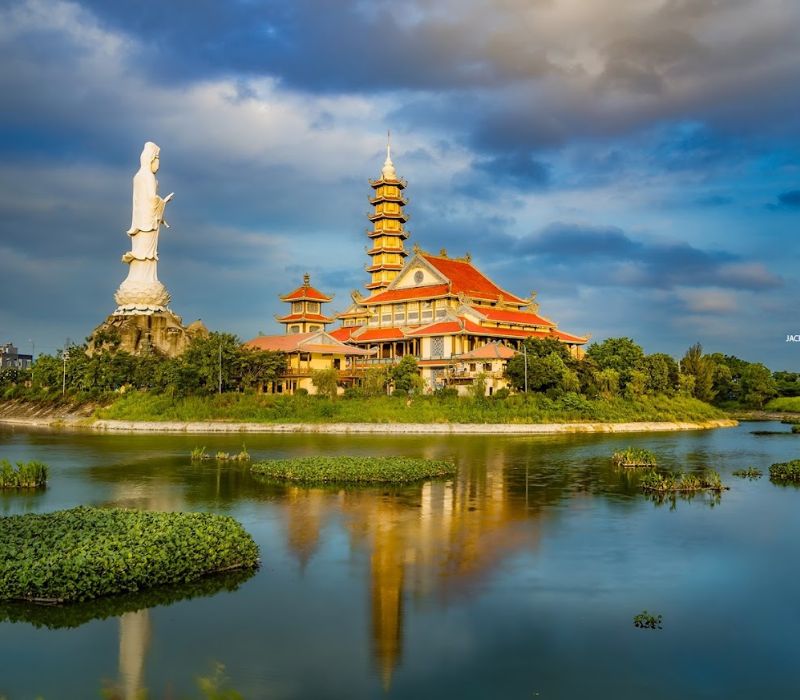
column 375, row 381
column 405, row 376
column 686, row 384
column 257, row 368
column 326, row 382
column 620, row 354
column 701, row 367
column 478, row 388
column 637, row 384
column 608, row 383
column 201, row 365
column 662, row 373
column 757, row 385
column 546, row 363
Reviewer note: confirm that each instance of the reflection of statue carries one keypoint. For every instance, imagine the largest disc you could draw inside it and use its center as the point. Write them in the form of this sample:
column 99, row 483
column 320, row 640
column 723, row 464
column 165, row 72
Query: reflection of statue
column 141, row 292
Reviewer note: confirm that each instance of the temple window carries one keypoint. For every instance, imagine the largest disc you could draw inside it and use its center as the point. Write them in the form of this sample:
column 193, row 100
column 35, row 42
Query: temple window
column 294, row 329
column 487, row 366
column 312, row 307
column 297, row 307
column 437, row 347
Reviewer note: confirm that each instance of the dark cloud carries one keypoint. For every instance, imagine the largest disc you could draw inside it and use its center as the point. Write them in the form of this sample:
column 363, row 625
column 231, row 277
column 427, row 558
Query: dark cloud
column 609, row 257
column 789, row 199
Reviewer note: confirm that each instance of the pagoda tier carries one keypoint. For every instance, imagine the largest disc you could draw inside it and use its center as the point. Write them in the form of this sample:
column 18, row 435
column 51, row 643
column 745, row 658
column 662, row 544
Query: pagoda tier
column 305, row 309
column 387, row 254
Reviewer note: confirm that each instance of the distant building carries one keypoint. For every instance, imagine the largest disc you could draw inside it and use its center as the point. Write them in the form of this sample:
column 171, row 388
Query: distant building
column 11, row 358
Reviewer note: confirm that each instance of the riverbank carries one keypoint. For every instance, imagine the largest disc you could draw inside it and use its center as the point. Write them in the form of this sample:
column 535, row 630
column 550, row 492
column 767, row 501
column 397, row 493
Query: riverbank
column 227, row 413
column 200, row 427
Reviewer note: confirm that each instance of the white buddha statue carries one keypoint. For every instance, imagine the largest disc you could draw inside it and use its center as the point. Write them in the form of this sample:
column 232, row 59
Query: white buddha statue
column 141, row 292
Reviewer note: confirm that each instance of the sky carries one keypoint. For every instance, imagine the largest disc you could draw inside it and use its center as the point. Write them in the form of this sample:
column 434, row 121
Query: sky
column 635, row 162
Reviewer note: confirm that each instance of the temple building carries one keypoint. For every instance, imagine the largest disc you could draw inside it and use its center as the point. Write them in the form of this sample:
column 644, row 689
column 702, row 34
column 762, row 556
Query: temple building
column 439, row 308
column 307, row 346
column 305, row 313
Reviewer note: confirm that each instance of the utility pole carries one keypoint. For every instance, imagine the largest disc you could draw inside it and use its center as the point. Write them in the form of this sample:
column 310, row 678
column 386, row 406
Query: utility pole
column 64, row 375
column 525, row 355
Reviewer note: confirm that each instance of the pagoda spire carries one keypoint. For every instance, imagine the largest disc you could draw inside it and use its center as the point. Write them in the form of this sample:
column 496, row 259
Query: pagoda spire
column 387, row 234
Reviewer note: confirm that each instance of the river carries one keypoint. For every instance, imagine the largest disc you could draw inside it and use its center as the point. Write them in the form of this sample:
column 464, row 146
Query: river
column 519, row 578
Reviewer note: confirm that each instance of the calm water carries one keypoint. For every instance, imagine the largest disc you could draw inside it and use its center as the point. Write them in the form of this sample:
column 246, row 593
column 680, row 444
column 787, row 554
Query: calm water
column 518, row 579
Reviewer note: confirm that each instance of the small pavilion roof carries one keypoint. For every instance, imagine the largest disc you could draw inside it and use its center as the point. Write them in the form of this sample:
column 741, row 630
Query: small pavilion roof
column 306, row 292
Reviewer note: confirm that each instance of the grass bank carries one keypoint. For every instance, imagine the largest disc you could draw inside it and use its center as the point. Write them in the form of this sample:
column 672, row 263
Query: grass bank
column 788, row 404
column 534, row 408
column 84, row 553
column 396, row 470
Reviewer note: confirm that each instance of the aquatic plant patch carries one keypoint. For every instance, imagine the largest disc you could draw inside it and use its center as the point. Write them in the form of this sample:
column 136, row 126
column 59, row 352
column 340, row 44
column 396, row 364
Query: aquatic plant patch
column 85, row 553
column 749, row 473
column 26, row 475
column 785, row 471
column 634, row 457
column 709, row 480
column 354, row 469
column 644, row 620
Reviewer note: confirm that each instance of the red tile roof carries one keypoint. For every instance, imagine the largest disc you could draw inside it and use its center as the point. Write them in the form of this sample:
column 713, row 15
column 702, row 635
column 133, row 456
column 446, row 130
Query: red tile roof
column 433, row 290
column 439, row 328
column 569, row 338
column 511, row 316
column 466, row 278
column 343, row 333
column 298, row 342
column 490, row 351
column 378, row 334
column 304, row 292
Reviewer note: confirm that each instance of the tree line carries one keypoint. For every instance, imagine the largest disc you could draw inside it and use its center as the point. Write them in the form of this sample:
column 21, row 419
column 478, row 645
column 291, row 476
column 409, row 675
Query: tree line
column 616, row 367
column 620, row 367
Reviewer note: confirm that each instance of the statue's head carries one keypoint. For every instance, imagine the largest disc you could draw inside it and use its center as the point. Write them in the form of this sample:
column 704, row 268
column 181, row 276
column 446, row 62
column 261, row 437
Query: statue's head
column 149, row 160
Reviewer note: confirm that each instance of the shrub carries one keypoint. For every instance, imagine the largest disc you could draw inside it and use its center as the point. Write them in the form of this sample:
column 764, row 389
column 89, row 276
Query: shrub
column 749, row 473
column 634, row 457
column 709, row 480
column 326, row 382
column 500, row 394
column 85, row 553
column 26, row 475
column 354, row 469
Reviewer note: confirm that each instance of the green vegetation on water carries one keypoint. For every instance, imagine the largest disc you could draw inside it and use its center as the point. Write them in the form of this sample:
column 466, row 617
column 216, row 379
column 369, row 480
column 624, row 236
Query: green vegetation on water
column 26, row 475
column 785, row 471
column 749, row 473
column 634, row 457
column 532, row 408
column 709, row 480
column 85, row 553
column 644, row 620
column 354, row 469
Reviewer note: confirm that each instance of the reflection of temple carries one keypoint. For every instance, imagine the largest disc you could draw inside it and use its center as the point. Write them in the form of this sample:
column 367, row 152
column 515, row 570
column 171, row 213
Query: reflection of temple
column 435, row 539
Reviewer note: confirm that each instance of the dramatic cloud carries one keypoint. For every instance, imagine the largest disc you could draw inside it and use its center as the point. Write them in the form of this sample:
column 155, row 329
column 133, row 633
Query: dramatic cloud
column 651, row 132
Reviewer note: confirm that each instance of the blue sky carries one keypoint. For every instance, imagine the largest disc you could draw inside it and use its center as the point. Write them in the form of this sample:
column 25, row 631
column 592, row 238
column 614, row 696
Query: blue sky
column 635, row 162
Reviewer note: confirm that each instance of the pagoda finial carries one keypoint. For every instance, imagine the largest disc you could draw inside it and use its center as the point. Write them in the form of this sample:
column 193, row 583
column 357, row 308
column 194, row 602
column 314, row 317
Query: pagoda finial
column 388, row 172
column 306, row 280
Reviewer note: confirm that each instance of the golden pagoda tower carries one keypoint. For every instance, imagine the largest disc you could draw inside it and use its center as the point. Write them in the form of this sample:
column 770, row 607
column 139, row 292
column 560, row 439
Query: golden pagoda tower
column 387, row 233
column 305, row 310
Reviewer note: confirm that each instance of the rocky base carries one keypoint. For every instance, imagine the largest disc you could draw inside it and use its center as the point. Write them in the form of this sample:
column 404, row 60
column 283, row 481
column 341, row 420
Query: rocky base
column 145, row 332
